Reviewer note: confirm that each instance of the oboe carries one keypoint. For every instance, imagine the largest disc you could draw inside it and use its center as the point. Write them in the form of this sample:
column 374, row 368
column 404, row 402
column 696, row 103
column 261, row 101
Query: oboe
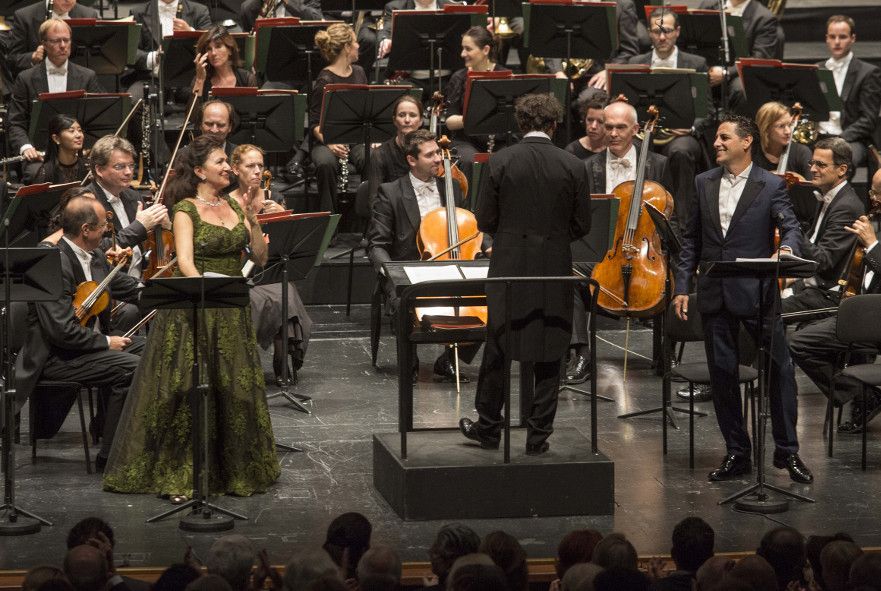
column 343, row 180
column 14, row 159
column 50, row 7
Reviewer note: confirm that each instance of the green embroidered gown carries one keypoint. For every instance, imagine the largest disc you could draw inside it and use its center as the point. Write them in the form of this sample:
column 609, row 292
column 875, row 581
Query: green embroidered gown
column 152, row 451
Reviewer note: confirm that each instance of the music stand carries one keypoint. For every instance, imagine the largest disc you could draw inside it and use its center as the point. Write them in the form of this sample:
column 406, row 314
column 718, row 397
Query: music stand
column 245, row 42
column 29, row 275
column 104, row 46
column 773, row 80
column 265, row 116
column 99, row 114
column 26, row 219
column 700, row 32
column 488, row 106
column 679, row 95
column 285, row 49
column 766, row 272
column 224, row 11
column 591, row 249
column 197, row 293
column 359, row 114
column 431, row 39
column 178, row 53
column 296, row 245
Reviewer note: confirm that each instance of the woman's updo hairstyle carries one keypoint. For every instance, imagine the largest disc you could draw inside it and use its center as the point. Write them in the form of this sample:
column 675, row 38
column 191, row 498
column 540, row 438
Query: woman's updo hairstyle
column 482, row 37
column 184, row 183
column 333, row 40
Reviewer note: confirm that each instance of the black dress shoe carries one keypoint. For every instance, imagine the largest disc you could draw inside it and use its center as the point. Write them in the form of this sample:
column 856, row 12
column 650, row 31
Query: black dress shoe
column 732, row 467
column 797, row 469
column 100, row 464
column 701, row 393
column 537, row 449
column 445, row 371
column 469, row 430
column 579, row 372
column 859, row 418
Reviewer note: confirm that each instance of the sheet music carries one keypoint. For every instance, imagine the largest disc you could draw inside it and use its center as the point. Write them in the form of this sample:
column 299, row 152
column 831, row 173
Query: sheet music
column 432, row 273
column 784, row 256
column 474, row 272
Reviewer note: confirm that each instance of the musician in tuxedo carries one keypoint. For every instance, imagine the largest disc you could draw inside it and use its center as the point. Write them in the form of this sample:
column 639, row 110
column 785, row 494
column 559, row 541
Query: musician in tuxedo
column 605, row 171
column 397, row 215
column 194, row 16
column 828, row 242
column 306, row 10
column 26, row 44
column 814, row 345
column 858, row 84
column 683, row 151
column 56, row 74
column 764, row 40
column 57, row 346
column 531, row 238
column 737, row 208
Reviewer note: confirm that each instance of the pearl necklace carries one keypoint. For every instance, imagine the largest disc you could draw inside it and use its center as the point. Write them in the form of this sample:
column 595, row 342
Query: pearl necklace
column 217, row 203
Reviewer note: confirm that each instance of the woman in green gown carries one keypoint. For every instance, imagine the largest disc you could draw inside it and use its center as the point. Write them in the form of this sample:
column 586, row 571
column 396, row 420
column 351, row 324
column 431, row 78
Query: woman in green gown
column 153, row 448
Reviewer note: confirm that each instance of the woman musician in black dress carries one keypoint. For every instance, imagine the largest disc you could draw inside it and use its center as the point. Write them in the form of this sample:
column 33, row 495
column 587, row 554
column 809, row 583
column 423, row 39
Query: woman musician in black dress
column 63, row 161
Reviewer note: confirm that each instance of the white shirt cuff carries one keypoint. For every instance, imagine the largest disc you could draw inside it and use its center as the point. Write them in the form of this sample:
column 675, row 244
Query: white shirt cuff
column 108, row 341
column 871, row 246
column 25, row 148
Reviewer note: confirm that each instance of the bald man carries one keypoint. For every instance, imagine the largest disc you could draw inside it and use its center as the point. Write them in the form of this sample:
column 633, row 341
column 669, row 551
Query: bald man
column 57, row 346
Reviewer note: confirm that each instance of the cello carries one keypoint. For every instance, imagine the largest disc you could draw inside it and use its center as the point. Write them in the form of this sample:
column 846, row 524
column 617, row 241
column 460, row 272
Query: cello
column 633, row 274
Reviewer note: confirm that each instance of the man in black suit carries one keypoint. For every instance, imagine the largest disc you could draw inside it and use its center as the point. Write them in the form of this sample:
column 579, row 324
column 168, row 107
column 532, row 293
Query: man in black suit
column 605, row 171
column 397, row 214
column 27, row 48
column 828, row 242
column 629, row 25
column 814, row 346
column 57, row 346
column 56, row 74
column 859, row 86
column 764, row 40
column 113, row 162
column 531, row 238
column 684, row 153
column 307, row 10
column 737, row 208
column 160, row 18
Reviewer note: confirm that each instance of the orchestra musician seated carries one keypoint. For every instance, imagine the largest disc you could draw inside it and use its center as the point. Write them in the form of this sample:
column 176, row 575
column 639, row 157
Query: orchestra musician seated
column 814, row 345
column 248, row 165
column 56, row 74
column 775, row 131
column 218, row 63
column 593, row 115
column 605, row 171
column 251, row 10
column 685, row 157
column 171, row 15
column 478, row 52
column 858, row 84
column 57, row 345
column 388, row 162
column 27, row 47
column 828, row 242
column 339, row 47
column 418, row 78
column 398, row 211
column 63, row 160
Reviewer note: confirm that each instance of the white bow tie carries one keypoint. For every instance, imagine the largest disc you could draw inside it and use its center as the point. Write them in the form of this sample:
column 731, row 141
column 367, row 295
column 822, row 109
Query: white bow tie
column 622, row 163
column 56, row 71
column 835, row 65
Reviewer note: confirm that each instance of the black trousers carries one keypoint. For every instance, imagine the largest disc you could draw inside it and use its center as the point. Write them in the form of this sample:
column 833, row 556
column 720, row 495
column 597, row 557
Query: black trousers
column 815, row 349
column 721, row 343
column 580, row 315
column 327, row 168
column 491, row 398
column 110, row 369
column 806, row 297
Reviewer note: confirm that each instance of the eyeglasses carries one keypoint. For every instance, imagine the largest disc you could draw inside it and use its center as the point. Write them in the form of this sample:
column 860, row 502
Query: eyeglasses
column 873, row 193
column 658, row 31
column 121, row 167
column 819, row 164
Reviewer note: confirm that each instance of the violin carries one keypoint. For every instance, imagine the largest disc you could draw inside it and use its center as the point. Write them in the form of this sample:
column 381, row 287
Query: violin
column 633, row 274
column 434, row 123
column 440, row 231
column 791, row 178
column 91, row 298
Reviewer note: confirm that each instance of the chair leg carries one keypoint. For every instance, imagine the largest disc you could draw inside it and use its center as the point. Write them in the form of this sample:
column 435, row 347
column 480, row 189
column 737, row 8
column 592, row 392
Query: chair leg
column 755, row 418
column 691, row 425
column 349, row 281
column 375, row 324
column 865, row 427
column 32, row 421
column 829, row 425
column 84, row 431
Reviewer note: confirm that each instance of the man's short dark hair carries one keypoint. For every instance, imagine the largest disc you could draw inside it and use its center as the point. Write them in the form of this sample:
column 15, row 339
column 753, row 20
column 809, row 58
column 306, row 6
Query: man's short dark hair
column 841, row 151
column 413, row 141
column 784, row 549
column 693, row 541
column 615, row 551
column 743, row 126
column 453, row 540
column 576, row 547
column 537, row 112
column 89, row 527
column 598, row 100
column 79, row 211
column 349, row 531
column 660, row 13
column 507, row 553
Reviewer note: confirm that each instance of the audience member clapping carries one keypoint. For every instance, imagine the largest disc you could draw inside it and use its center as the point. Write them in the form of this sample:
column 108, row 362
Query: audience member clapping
column 453, row 541
column 94, row 531
column 507, row 553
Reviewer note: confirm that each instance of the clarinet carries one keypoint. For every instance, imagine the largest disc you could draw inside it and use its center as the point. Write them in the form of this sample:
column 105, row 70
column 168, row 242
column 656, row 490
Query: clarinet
column 343, row 179
column 180, row 9
column 50, row 7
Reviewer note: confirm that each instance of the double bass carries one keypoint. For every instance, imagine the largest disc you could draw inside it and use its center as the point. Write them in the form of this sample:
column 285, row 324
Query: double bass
column 633, row 274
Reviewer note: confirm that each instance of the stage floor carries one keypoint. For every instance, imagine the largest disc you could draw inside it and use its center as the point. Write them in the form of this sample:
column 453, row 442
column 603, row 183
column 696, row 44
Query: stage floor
column 352, row 401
